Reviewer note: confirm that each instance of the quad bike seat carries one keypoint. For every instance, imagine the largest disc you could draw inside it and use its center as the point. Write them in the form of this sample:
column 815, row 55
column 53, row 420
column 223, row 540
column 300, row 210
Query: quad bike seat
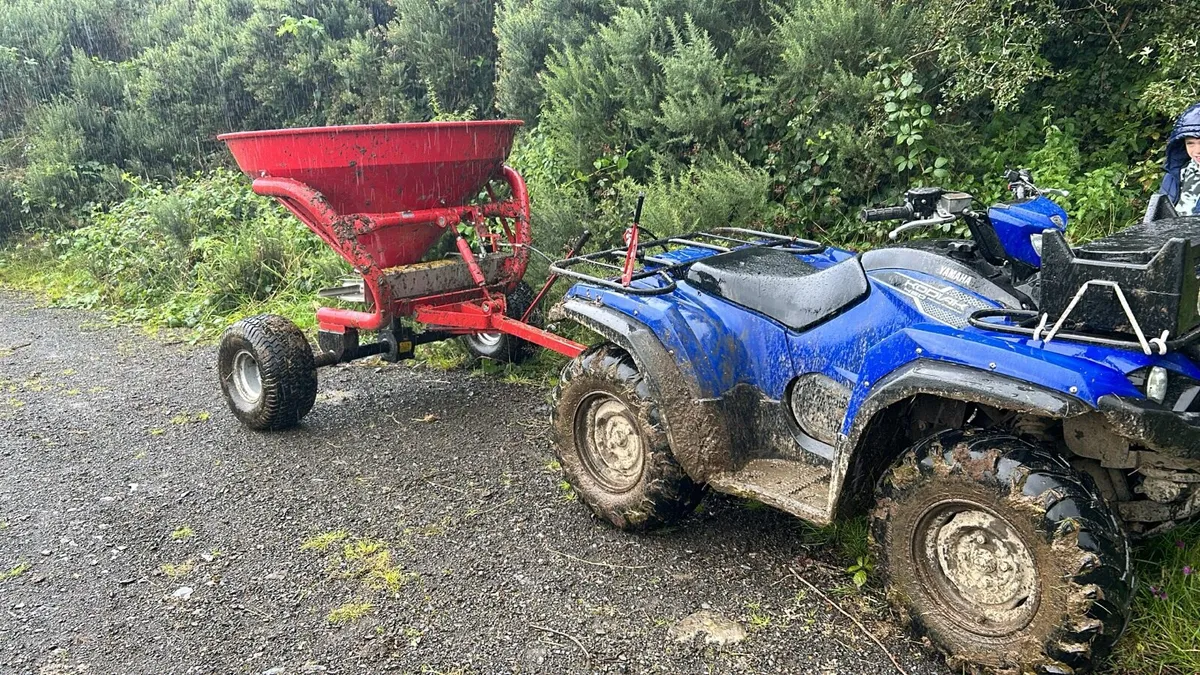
column 776, row 283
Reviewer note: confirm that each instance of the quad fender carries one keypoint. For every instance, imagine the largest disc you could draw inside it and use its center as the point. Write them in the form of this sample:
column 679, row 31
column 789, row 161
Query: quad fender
column 859, row 462
column 696, row 427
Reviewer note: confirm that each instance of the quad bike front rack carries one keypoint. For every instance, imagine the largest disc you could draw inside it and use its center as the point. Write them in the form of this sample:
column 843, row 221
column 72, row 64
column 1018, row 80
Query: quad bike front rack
column 1134, row 290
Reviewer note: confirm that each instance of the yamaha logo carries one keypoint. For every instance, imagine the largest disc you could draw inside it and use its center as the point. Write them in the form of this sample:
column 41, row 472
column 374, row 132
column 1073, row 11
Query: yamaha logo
column 956, row 276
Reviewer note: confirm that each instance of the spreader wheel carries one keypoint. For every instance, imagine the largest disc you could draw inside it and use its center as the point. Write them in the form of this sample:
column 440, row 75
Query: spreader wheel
column 267, row 372
column 609, row 437
column 1002, row 555
column 502, row 346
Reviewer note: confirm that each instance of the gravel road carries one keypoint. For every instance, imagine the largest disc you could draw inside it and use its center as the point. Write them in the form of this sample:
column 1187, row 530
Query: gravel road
column 415, row 523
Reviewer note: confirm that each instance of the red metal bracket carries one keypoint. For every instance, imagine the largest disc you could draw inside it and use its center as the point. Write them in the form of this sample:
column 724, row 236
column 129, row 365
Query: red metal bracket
column 478, row 319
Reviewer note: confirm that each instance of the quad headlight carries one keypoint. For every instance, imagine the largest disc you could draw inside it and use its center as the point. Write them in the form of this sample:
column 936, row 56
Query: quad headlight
column 1156, row 384
column 1174, row 390
column 1035, row 240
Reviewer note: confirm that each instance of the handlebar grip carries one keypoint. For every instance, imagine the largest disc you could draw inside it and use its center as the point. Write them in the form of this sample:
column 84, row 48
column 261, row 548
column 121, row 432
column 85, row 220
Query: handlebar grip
column 886, row 213
column 637, row 213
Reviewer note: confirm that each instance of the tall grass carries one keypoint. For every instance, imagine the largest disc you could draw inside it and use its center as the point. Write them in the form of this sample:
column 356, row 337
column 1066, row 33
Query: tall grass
column 1164, row 635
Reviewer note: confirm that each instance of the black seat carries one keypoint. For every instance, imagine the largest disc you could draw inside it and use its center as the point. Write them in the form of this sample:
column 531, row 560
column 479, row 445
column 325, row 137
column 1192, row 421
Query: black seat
column 776, row 283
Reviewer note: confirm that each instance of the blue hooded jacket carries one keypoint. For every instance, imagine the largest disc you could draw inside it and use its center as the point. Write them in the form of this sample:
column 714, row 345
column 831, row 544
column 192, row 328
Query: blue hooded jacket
column 1187, row 126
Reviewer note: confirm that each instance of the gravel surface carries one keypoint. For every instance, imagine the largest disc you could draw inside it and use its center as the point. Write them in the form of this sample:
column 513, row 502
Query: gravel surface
column 414, row 523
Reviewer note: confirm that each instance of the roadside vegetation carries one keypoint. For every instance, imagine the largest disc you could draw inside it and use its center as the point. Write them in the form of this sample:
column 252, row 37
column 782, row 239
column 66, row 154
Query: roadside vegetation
column 787, row 116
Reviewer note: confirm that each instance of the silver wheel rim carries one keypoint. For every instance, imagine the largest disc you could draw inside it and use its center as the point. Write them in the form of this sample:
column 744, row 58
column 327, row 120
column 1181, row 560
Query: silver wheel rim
column 487, row 340
column 610, row 442
column 977, row 567
column 247, row 380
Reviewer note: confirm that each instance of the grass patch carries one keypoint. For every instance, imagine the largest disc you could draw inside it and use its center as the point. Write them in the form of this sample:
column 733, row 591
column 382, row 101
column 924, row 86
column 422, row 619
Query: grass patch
column 349, row 612
column 183, row 533
column 177, row 570
column 324, row 540
column 15, row 572
column 369, row 560
column 190, row 418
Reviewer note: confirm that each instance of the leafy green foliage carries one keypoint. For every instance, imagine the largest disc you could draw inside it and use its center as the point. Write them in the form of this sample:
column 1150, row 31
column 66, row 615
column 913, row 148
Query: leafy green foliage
column 196, row 255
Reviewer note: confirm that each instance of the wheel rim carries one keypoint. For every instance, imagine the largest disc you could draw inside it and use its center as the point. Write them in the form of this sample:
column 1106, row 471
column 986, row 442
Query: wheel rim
column 610, row 442
column 487, row 340
column 247, row 379
column 977, row 567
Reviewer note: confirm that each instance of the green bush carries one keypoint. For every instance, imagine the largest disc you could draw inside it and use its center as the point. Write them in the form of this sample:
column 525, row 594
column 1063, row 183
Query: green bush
column 194, row 255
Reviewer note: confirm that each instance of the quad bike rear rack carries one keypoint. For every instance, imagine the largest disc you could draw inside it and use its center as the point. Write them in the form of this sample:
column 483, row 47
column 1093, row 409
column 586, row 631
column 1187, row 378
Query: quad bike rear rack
column 661, row 265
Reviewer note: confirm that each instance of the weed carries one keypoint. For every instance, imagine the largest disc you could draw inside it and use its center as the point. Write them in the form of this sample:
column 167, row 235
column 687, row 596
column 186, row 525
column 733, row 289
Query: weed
column 370, row 560
column 349, row 612
column 860, row 571
column 567, row 492
column 183, row 533
column 758, row 618
column 553, row 466
column 177, row 570
column 157, row 431
column 361, row 549
column 324, row 540
column 190, row 418
column 15, row 572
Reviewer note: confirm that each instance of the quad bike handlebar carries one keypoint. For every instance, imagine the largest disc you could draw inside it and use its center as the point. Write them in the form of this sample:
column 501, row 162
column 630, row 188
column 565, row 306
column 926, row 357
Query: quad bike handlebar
column 886, row 213
column 1020, row 182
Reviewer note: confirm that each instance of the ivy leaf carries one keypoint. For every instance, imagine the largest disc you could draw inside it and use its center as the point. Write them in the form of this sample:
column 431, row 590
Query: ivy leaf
column 907, row 78
column 891, row 107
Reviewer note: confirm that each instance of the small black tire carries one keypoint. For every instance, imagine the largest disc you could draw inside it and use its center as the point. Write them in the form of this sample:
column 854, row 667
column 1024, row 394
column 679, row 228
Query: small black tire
column 1001, row 556
column 267, row 371
column 610, row 439
column 502, row 346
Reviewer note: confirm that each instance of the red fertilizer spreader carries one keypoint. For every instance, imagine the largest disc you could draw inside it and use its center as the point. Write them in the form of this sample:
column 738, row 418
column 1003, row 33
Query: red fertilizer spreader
column 383, row 196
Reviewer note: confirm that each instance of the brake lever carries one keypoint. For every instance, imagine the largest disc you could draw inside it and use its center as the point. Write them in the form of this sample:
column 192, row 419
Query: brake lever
column 915, row 224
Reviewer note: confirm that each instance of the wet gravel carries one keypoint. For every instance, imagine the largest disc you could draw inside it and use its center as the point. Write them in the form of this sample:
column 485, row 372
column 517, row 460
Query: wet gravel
column 142, row 530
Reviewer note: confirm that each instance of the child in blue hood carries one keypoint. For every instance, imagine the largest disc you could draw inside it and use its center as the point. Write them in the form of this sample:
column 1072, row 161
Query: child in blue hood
column 1182, row 182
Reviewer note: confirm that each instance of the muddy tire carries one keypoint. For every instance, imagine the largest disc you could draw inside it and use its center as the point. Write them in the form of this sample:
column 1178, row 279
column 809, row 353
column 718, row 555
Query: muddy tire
column 502, row 346
column 609, row 437
column 1001, row 555
column 267, row 372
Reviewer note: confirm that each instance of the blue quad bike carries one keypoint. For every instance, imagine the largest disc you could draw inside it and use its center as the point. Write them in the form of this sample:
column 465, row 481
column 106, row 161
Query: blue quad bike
column 1008, row 410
